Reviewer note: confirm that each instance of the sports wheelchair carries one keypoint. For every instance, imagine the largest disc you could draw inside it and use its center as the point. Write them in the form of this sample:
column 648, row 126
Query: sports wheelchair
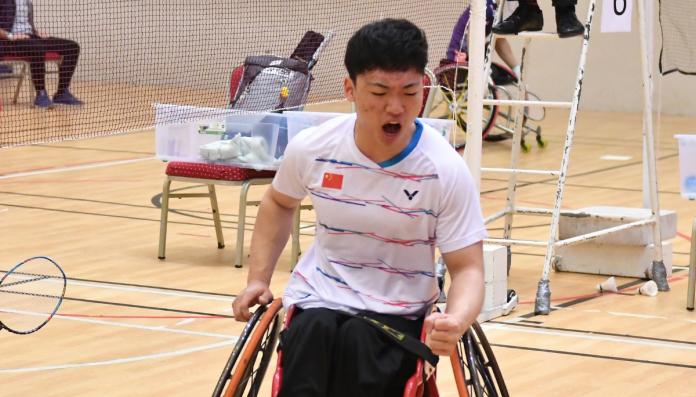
column 476, row 371
column 449, row 100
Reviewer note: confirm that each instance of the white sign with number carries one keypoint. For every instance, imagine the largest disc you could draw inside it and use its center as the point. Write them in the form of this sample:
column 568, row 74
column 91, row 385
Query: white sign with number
column 616, row 15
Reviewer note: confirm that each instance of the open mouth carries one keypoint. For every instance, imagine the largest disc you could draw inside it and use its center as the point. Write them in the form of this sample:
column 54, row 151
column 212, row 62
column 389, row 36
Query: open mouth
column 391, row 128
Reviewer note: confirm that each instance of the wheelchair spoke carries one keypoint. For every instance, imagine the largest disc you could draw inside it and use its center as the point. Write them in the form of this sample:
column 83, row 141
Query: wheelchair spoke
column 482, row 376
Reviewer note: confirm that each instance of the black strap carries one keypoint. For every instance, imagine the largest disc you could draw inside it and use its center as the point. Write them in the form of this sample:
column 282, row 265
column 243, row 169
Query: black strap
column 406, row 341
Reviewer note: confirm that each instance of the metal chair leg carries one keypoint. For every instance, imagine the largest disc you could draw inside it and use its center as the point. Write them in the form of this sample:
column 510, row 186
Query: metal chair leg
column 216, row 216
column 22, row 76
column 163, row 217
column 692, row 269
column 241, row 224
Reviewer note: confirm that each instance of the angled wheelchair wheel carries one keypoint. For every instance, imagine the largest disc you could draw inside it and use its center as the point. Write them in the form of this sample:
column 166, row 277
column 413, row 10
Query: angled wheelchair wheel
column 476, row 371
column 452, row 79
column 459, row 113
column 247, row 365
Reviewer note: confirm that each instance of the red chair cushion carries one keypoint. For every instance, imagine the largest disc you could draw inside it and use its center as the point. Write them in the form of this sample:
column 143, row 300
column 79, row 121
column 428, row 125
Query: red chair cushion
column 49, row 56
column 219, row 172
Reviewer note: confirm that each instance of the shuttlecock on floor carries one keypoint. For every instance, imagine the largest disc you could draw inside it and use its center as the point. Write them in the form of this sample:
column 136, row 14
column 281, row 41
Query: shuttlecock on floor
column 648, row 289
column 609, row 285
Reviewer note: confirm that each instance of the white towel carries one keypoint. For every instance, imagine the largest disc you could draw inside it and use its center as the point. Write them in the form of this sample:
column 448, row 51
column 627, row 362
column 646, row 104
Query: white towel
column 244, row 149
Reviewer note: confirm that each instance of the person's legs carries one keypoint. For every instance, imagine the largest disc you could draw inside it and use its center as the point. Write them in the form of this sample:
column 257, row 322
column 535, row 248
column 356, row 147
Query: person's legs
column 504, row 50
column 370, row 364
column 32, row 50
column 567, row 24
column 564, row 3
column 69, row 52
column 307, row 346
column 526, row 17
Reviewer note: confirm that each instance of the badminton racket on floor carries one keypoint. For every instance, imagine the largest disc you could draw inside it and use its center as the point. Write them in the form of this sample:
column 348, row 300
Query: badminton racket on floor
column 30, row 294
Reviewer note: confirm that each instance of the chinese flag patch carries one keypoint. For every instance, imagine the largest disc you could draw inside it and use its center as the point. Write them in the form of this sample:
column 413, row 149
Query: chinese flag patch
column 332, row 181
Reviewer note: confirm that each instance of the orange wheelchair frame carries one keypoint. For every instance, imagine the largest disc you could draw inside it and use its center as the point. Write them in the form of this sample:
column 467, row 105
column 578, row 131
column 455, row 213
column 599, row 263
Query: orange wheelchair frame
column 476, row 372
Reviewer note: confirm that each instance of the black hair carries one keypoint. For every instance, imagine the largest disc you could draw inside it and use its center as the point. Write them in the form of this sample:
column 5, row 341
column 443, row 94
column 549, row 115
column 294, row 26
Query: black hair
column 387, row 44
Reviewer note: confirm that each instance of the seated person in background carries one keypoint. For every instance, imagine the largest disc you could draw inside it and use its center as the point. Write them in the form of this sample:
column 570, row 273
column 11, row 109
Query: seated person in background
column 387, row 190
column 458, row 50
column 19, row 37
column 528, row 17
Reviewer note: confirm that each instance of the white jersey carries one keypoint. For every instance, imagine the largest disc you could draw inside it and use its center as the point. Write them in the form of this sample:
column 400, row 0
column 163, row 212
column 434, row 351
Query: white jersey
column 377, row 224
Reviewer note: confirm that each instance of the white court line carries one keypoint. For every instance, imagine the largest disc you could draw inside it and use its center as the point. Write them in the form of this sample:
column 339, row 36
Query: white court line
column 580, row 335
column 148, row 290
column 153, row 290
column 120, row 360
column 145, row 327
column 185, row 321
column 123, row 325
column 648, row 316
column 75, row 168
column 613, row 157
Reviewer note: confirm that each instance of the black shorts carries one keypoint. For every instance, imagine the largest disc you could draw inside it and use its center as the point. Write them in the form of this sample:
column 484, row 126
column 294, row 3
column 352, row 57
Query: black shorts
column 329, row 353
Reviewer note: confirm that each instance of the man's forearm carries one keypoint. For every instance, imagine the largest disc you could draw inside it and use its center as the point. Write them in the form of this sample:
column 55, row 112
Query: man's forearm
column 465, row 296
column 273, row 225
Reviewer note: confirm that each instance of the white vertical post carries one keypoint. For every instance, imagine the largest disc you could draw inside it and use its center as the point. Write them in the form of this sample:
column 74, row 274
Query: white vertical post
column 646, row 57
column 476, row 81
column 659, row 273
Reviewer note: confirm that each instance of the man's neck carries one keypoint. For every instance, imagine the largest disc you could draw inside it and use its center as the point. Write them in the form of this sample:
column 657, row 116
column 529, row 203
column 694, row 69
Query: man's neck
column 370, row 146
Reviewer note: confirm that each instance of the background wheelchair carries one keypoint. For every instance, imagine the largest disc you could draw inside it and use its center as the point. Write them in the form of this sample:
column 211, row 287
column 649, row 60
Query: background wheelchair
column 450, row 101
column 476, row 371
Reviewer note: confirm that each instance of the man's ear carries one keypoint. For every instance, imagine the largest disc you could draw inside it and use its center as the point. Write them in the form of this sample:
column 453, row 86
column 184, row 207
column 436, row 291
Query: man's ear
column 348, row 88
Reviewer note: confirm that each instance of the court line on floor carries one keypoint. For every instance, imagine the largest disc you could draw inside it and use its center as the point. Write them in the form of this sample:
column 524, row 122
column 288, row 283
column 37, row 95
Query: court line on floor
column 588, row 355
column 579, row 174
column 77, row 167
column 125, row 325
column 539, row 325
column 634, row 340
column 134, row 306
column 54, row 146
column 121, row 360
column 153, row 290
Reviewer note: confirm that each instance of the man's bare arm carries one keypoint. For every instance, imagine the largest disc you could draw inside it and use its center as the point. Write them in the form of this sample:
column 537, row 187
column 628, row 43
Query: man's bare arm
column 273, row 225
column 464, row 299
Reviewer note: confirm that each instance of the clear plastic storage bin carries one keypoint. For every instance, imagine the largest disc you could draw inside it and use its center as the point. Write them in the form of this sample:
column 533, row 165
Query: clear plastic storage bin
column 687, row 165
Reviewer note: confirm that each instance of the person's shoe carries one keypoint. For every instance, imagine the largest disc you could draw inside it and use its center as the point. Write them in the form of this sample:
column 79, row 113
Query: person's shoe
column 4, row 69
column 42, row 100
column 567, row 24
column 523, row 19
column 66, row 98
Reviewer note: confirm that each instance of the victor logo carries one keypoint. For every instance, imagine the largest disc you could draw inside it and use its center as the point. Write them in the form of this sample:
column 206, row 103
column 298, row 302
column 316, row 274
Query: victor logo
column 410, row 195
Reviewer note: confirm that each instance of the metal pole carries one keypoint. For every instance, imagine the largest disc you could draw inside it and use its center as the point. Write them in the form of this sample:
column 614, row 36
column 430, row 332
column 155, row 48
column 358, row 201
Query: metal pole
column 476, row 81
column 542, row 303
column 659, row 272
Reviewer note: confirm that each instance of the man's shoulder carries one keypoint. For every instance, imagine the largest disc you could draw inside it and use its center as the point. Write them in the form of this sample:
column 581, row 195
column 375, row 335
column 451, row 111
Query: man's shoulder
column 447, row 162
column 435, row 146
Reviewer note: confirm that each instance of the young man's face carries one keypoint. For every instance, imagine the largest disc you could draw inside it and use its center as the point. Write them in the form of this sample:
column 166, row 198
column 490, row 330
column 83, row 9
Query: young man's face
column 387, row 104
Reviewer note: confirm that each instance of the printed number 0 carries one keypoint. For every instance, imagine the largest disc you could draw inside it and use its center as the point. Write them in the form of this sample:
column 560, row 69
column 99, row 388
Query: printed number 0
column 616, row 9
